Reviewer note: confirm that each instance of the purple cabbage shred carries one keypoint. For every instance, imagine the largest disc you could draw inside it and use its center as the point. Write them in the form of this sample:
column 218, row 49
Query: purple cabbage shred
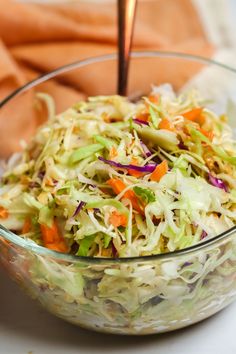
column 34, row 185
column 148, row 168
column 41, row 175
column 140, row 122
column 114, row 250
column 204, row 234
column 182, row 146
column 79, row 208
column 146, row 151
column 217, row 182
column 187, row 264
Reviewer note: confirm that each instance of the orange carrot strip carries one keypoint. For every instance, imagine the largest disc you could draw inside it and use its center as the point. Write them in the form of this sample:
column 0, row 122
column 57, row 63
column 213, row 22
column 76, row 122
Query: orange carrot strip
column 209, row 135
column 49, row 234
column 166, row 125
column 193, row 115
column 27, row 226
column 117, row 219
column 143, row 116
column 113, row 152
column 3, row 213
column 52, row 238
column 154, row 98
column 133, row 172
column 106, row 117
column 59, row 247
column 159, row 171
column 106, row 252
column 118, row 186
column 201, row 119
column 49, row 182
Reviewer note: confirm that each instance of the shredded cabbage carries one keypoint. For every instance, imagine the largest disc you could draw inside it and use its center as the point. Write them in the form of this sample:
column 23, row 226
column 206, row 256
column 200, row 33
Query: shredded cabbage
column 123, row 179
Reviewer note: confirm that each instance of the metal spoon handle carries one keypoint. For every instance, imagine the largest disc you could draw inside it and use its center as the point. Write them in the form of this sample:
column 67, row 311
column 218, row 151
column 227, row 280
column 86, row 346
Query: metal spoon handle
column 126, row 16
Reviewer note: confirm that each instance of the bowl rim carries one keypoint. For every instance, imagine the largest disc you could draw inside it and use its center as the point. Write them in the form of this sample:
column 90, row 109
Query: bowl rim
column 30, row 245
column 98, row 59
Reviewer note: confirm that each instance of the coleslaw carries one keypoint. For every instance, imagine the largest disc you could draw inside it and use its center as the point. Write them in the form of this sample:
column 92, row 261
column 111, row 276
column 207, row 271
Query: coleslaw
column 112, row 178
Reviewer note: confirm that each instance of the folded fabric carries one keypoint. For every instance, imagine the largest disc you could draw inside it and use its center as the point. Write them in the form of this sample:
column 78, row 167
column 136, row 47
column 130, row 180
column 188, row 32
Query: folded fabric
column 37, row 38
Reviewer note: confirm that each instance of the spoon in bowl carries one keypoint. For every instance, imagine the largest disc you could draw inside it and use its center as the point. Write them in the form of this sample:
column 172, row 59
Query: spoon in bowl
column 126, row 18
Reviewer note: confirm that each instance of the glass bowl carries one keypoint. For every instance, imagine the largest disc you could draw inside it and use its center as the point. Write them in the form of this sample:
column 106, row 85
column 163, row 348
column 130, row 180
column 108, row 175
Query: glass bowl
column 141, row 295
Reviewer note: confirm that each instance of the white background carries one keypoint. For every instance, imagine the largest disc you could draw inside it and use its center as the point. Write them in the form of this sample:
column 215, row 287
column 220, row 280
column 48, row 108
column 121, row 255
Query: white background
column 25, row 327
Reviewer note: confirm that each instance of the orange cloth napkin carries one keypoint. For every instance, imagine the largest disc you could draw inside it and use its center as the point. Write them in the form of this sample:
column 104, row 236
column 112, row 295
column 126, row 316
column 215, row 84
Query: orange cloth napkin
column 35, row 39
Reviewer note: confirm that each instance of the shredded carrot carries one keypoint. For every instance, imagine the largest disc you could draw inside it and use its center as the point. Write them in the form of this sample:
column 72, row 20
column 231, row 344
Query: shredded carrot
column 113, row 152
column 75, row 130
column 166, row 125
column 52, row 238
column 117, row 219
column 201, row 119
column 194, row 115
column 154, row 98
column 143, row 116
column 90, row 209
column 59, row 247
column 49, row 234
column 49, row 182
column 118, row 186
column 27, row 226
column 106, row 252
column 3, row 213
column 106, row 117
column 133, row 172
column 25, row 179
column 209, row 135
column 104, row 190
column 159, row 171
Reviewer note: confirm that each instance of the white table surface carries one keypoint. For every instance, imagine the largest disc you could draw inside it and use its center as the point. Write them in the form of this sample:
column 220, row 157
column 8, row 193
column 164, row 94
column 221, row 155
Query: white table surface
column 25, row 327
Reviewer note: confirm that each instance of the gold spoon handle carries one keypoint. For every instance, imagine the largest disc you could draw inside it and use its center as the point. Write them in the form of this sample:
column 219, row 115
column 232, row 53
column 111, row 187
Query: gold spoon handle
column 126, row 17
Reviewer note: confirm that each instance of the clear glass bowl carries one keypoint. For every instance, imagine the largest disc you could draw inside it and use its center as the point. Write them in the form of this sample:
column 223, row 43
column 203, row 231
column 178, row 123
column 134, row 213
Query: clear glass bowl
column 141, row 295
